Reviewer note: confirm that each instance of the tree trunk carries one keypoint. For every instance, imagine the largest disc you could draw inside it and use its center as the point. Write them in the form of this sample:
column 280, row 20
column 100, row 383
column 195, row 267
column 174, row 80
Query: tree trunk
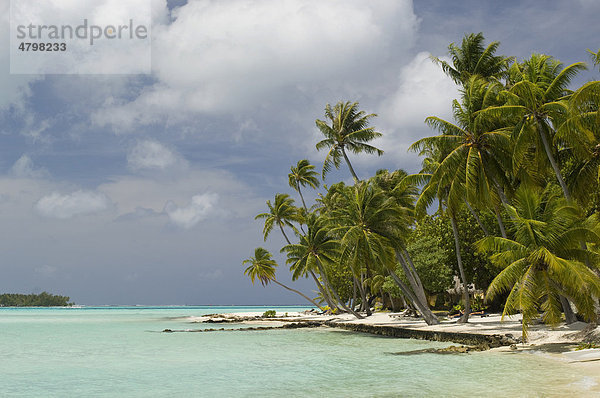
column 568, row 310
column 417, row 287
column 284, row 235
column 392, row 303
column 501, row 193
column 353, row 306
column 465, row 317
column 356, row 180
column 301, row 197
column 365, row 301
column 297, row 292
column 476, row 216
column 548, row 150
column 500, row 222
column 326, row 296
column 425, row 311
column 335, row 294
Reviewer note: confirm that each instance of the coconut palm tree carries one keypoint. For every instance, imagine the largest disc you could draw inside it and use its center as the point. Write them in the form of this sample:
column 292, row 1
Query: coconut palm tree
column 595, row 56
column 262, row 268
column 370, row 225
column 348, row 130
column 473, row 59
column 476, row 149
column 581, row 135
column 544, row 260
column 282, row 213
column 450, row 194
column 536, row 99
column 316, row 250
column 301, row 175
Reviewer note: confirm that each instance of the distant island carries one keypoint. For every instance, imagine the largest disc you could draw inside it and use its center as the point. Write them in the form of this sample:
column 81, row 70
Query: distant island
column 43, row 299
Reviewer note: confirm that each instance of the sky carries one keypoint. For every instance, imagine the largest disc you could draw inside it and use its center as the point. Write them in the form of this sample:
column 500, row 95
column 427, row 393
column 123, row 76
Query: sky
column 142, row 189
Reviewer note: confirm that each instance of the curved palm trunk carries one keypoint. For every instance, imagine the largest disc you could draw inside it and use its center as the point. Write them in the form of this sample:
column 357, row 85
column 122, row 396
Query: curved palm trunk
column 500, row 222
column 476, row 216
column 465, row 317
column 356, row 180
column 323, row 292
column 569, row 315
column 364, row 302
column 568, row 310
column 550, row 156
column 413, row 278
column 301, row 197
column 284, row 235
column 425, row 311
column 297, row 292
column 335, row 294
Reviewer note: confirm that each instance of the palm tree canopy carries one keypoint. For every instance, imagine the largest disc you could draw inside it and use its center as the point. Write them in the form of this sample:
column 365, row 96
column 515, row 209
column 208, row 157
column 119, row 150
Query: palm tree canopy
column 303, row 174
column 471, row 58
column 595, row 56
column 544, row 260
column 473, row 152
column 315, row 250
column 348, row 128
column 580, row 134
column 282, row 212
column 537, row 100
column 370, row 225
column 262, row 266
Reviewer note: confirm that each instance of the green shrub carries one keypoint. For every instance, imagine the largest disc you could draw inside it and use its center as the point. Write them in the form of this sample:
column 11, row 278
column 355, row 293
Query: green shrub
column 269, row 314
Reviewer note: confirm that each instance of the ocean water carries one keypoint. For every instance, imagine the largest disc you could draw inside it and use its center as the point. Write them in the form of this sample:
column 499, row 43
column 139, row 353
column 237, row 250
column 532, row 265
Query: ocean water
column 121, row 352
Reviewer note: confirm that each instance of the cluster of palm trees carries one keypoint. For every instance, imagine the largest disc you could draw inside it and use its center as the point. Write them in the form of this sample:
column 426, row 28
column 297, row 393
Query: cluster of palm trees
column 522, row 147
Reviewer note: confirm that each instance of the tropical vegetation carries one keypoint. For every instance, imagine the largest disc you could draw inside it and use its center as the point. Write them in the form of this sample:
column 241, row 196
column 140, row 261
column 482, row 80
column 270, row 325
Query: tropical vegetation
column 503, row 214
column 43, row 299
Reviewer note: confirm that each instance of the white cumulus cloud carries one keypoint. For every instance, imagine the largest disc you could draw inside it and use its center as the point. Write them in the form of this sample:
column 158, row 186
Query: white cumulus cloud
column 218, row 57
column 199, row 209
column 422, row 90
column 70, row 205
column 152, row 155
column 24, row 168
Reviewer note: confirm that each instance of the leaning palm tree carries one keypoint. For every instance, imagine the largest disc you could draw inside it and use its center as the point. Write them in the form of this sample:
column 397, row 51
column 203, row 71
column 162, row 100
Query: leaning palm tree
column 301, row 175
column 348, row 130
column 544, row 260
column 473, row 59
column 315, row 252
column 262, row 268
column 282, row 213
column 370, row 225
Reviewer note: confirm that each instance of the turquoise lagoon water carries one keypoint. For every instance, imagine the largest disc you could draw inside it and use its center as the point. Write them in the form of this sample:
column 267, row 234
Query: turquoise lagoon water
column 120, row 352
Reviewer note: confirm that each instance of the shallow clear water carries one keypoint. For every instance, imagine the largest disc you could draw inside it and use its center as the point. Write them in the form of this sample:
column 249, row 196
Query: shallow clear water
column 120, row 352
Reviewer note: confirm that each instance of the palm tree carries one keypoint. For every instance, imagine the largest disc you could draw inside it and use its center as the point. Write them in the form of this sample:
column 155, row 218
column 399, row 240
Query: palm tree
column 581, row 135
column 536, row 99
column 472, row 59
column 476, row 149
column 544, row 261
column 370, row 225
column 281, row 213
column 301, row 175
column 595, row 56
column 316, row 251
column 450, row 193
column 348, row 130
column 262, row 267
